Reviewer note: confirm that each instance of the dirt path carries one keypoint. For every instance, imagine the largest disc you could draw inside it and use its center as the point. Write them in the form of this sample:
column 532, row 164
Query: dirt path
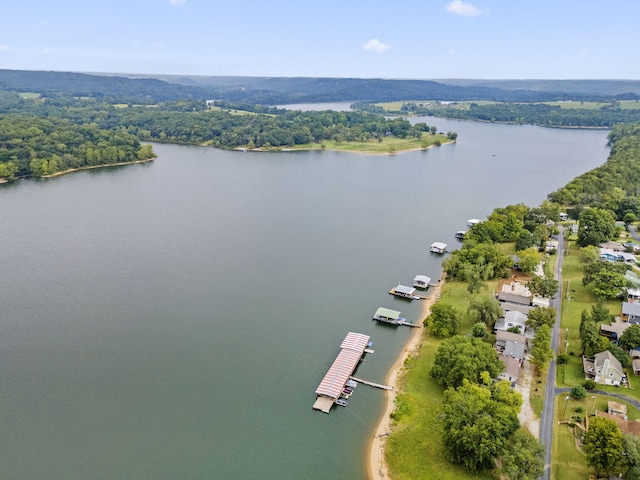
column 527, row 417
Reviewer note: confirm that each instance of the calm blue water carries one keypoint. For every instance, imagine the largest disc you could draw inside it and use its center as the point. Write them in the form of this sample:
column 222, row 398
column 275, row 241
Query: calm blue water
column 173, row 319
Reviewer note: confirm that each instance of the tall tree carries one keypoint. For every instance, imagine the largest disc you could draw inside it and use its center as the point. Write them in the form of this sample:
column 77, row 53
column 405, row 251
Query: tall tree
column 443, row 320
column 477, row 424
column 523, row 458
column 630, row 338
column 464, row 358
column 485, row 309
column 541, row 353
column 603, row 445
column 595, row 225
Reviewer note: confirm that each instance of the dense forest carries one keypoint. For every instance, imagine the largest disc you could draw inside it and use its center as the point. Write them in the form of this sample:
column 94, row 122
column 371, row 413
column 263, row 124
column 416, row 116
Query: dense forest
column 525, row 113
column 44, row 146
column 614, row 186
column 192, row 122
column 270, row 90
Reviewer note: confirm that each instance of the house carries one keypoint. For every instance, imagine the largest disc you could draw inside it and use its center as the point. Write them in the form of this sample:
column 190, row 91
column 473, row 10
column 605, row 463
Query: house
column 614, row 331
column 627, row 426
column 635, row 360
column 512, row 319
column 604, row 369
column 551, row 245
column 514, row 350
column 630, row 312
column 511, row 371
column 609, row 255
column 615, row 408
column 615, row 246
column 502, row 337
column 421, row 281
column 514, row 298
column 633, row 294
column 507, row 307
column 538, row 301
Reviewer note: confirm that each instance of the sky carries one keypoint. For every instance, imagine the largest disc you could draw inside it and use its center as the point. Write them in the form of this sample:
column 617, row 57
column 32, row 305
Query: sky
column 407, row 39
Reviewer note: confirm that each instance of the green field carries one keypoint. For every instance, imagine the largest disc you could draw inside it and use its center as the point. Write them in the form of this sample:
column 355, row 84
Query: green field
column 625, row 104
column 414, row 450
column 29, row 95
column 388, row 145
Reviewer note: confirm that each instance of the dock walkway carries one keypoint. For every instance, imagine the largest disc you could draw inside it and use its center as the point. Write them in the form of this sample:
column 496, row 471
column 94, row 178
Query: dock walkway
column 371, row 384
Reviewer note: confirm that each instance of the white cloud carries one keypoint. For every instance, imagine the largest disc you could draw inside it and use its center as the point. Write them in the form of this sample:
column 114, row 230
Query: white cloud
column 458, row 7
column 376, row 46
column 177, row 2
column 4, row 48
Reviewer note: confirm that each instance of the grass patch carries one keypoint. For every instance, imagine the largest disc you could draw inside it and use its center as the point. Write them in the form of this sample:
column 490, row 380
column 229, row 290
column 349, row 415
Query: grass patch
column 567, row 462
column 29, row 95
column 389, row 145
column 415, row 450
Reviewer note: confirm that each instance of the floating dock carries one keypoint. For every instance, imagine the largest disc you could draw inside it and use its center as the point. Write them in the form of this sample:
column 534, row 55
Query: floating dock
column 352, row 349
column 386, row 315
column 408, row 293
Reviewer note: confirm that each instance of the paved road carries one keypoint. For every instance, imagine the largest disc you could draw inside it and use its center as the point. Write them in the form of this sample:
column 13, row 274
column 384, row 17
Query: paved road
column 546, row 421
column 634, row 234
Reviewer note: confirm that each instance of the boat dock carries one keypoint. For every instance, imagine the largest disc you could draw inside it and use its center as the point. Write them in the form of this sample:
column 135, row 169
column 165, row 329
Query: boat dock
column 371, row 384
column 408, row 293
column 332, row 386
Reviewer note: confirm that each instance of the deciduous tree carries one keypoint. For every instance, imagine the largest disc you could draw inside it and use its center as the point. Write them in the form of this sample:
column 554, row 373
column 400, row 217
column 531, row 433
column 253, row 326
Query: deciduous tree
column 603, row 444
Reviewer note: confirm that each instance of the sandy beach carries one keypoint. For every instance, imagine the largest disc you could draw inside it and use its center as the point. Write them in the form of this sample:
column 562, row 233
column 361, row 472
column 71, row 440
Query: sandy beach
column 377, row 465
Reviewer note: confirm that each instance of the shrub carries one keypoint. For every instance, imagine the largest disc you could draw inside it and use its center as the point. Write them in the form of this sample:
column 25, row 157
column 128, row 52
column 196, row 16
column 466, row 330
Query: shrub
column 578, row 392
column 589, row 384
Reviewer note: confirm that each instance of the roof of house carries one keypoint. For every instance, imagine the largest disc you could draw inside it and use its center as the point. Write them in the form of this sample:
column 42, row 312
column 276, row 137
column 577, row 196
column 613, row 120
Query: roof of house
column 631, row 308
column 615, row 246
column 503, row 335
column 627, row 257
column 513, row 316
column 507, row 307
column 627, row 426
column 514, row 349
column 601, row 357
column 616, row 327
column 514, row 298
column 511, row 366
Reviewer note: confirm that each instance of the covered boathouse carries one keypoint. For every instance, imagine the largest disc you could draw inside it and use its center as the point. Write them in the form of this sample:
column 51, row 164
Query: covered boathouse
column 330, row 389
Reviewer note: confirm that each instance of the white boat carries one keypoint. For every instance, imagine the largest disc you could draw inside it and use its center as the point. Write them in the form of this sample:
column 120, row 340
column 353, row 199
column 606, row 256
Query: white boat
column 460, row 234
column 342, row 402
column 473, row 221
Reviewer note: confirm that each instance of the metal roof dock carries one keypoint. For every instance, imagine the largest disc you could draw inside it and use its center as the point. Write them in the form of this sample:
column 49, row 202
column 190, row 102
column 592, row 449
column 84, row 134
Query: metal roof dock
column 330, row 389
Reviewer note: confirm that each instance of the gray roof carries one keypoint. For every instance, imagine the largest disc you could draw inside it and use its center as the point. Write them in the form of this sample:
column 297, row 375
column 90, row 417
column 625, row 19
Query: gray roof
column 514, row 349
column 405, row 290
column 631, row 308
column 607, row 355
column 504, row 336
column 514, row 298
column 515, row 317
column 507, row 307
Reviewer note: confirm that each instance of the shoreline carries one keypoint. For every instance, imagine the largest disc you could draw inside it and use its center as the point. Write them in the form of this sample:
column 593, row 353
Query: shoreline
column 377, row 468
column 91, row 167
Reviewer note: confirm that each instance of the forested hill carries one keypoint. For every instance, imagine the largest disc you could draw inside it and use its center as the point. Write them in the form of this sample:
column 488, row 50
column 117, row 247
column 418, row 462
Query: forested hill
column 262, row 90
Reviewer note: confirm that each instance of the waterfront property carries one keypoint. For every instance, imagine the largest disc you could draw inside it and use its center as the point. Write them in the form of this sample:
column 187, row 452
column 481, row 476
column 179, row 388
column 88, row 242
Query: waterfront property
column 333, row 384
column 438, row 247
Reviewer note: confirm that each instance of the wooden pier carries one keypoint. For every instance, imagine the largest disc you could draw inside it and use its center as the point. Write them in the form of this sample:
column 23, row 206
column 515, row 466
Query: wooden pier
column 371, row 384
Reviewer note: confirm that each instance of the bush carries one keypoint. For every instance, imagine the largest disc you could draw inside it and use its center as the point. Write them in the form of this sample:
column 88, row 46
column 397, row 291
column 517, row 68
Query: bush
column 562, row 359
column 579, row 392
column 589, row 385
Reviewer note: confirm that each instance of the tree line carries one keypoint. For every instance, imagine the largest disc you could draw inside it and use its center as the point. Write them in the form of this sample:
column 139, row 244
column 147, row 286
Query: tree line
column 35, row 146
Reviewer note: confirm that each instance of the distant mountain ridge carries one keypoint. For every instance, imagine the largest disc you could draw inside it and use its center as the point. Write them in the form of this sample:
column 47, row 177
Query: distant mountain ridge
column 277, row 90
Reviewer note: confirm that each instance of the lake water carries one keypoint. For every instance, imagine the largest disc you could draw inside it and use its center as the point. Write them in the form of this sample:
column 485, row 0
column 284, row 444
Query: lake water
column 172, row 320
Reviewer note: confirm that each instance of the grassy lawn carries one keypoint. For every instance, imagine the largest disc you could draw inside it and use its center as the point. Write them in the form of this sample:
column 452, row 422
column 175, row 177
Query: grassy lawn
column 567, row 462
column 414, row 450
column 29, row 95
column 387, row 146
